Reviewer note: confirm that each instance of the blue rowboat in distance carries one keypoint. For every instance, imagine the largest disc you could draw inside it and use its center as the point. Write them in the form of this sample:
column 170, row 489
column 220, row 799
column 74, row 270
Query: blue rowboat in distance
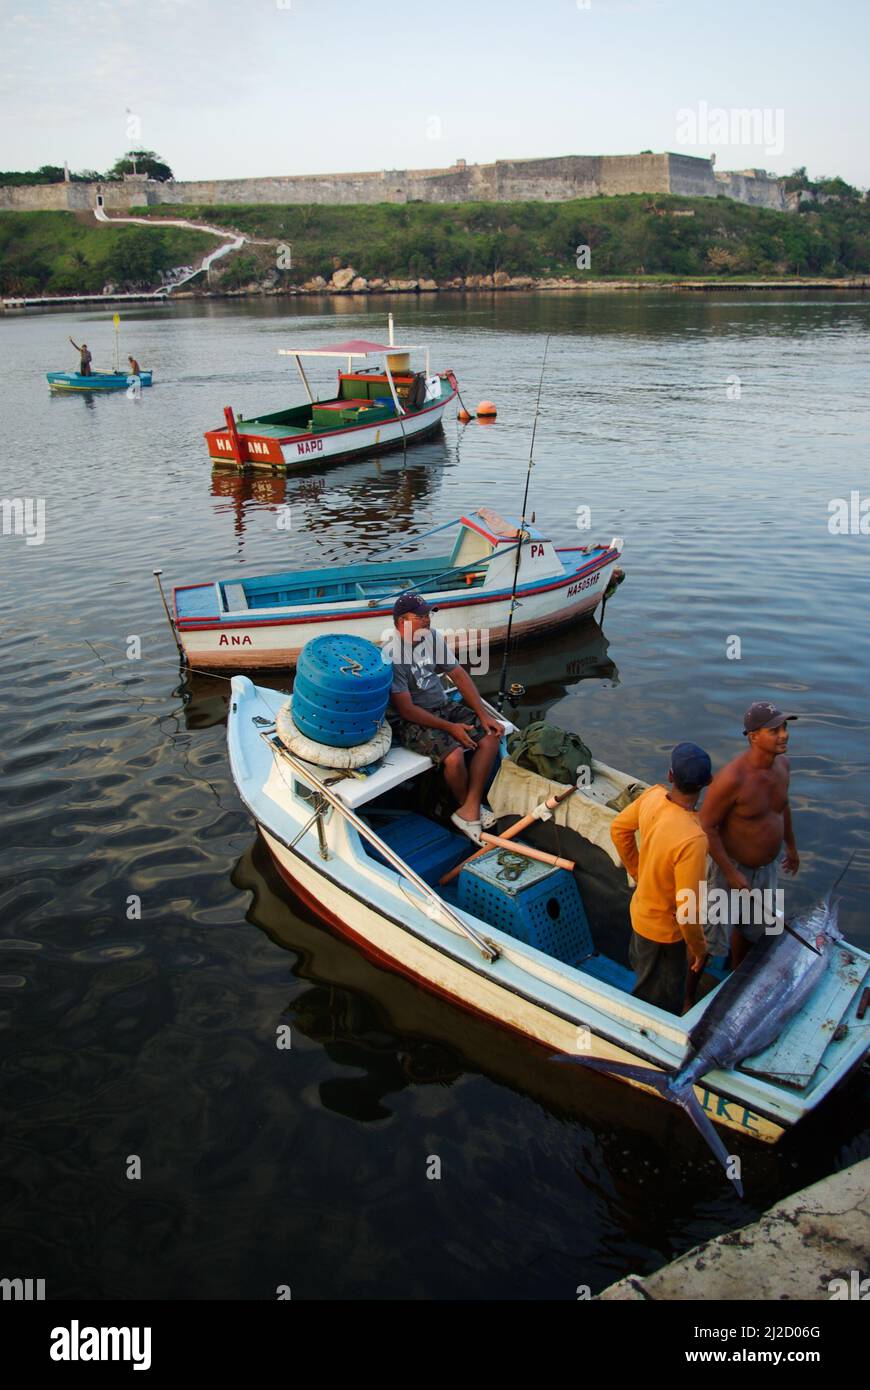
column 95, row 381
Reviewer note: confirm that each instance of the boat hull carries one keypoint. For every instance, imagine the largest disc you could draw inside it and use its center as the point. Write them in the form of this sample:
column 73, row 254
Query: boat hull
column 97, row 381
column 262, row 645
column 261, row 452
column 391, row 945
column 566, row 1009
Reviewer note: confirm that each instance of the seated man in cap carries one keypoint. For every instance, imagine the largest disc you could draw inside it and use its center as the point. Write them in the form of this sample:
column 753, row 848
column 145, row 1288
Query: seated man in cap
column 670, row 868
column 430, row 723
column 748, row 820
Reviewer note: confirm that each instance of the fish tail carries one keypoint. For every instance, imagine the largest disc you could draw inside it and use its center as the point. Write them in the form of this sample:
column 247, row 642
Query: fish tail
column 663, row 1082
column 686, row 1098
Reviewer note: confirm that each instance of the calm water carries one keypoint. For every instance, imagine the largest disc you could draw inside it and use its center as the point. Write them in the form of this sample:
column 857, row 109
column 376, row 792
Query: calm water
column 156, row 1037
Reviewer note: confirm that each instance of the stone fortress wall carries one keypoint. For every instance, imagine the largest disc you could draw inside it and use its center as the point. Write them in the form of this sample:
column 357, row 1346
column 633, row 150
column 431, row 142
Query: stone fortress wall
column 505, row 181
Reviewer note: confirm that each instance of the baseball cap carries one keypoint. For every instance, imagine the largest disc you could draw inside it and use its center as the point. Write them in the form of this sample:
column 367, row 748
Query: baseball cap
column 763, row 715
column 691, row 765
column 411, row 603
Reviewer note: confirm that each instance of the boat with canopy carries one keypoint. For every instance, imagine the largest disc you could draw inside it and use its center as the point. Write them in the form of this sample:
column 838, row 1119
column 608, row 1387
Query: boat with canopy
column 374, row 408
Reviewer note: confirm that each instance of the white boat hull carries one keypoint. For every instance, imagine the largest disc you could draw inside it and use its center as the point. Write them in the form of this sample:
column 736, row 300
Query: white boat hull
column 263, row 645
column 392, row 945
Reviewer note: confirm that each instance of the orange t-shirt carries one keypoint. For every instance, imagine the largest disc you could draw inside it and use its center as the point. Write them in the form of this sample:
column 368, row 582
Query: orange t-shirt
column 672, row 858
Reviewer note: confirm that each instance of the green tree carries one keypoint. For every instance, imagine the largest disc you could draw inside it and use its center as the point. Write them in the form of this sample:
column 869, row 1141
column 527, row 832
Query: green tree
column 141, row 162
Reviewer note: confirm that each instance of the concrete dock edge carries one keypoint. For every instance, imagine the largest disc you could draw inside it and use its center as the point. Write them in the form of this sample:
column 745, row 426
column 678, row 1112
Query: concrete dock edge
column 813, row 1245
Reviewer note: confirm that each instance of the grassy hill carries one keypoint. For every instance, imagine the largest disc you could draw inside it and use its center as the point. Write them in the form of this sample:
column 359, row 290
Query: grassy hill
column 636, row 235
column 63, row 253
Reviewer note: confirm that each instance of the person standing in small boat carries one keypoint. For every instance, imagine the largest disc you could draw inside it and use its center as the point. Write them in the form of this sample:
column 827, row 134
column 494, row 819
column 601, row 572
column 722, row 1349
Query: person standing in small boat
column 670, row 869
column 428, row 722
column 747, row 818
column 84, row 359
column 134, row 367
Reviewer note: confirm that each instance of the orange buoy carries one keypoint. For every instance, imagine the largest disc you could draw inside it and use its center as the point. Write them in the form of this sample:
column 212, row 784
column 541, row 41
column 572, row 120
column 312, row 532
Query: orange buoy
column 463, row 416
column 486, row 411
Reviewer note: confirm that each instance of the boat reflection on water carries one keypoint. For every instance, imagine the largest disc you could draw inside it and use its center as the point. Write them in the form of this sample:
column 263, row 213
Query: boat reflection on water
column 390, row 1035
column 376, row 492
column 547, row 668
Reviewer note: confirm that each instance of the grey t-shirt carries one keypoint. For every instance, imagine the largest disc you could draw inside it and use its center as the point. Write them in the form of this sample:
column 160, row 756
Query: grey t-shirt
column 418, row 668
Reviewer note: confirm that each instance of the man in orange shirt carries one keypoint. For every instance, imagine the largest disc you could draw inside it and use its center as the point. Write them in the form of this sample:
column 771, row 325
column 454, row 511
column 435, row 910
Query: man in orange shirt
column 670, row 868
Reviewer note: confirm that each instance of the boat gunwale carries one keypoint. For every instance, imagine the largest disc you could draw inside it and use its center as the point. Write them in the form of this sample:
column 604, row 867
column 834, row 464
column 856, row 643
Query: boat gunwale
column 327, row 613
column 330, row 433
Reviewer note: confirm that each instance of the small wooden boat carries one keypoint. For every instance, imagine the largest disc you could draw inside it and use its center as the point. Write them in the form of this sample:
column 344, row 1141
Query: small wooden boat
column 263, row 622
column 96, row 381
column 543, row 953
column 373, row 409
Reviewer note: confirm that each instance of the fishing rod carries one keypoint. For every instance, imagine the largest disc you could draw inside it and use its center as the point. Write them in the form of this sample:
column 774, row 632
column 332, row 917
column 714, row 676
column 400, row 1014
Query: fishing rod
column 504, row 665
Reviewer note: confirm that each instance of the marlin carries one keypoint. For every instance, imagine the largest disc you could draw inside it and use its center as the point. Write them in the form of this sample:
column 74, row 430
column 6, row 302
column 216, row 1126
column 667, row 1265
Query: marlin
column 747, row 1014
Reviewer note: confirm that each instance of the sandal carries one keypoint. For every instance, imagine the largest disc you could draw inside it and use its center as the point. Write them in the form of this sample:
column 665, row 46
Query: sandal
column 471, row 828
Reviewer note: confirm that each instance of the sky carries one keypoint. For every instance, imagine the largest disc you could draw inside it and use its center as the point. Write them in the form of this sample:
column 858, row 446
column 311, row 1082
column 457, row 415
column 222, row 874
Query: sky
column 239, row 88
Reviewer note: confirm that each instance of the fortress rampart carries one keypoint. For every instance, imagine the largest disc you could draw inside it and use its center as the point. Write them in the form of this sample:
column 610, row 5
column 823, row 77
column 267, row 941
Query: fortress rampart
column 505, row 181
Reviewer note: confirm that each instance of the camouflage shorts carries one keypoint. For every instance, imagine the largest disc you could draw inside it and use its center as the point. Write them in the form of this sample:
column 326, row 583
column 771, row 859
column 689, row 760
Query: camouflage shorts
column 436, row 743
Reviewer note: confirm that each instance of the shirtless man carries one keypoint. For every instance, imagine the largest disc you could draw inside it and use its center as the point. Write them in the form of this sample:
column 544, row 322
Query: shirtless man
column 747, row 819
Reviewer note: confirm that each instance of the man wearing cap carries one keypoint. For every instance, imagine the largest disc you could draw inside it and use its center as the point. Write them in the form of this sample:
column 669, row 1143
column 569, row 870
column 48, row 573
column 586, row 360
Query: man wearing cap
column 670, row 868
column 429, row 722
column 748, row 821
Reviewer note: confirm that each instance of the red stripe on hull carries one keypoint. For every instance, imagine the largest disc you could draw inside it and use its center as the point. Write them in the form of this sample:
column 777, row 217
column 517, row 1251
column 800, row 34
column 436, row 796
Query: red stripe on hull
column 249, row 659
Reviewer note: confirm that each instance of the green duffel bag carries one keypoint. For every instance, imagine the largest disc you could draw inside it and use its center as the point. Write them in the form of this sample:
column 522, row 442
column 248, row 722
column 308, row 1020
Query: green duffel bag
column 552, row 752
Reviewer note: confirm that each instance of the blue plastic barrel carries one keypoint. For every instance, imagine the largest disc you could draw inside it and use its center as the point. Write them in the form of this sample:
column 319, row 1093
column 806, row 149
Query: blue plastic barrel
column 341, row 690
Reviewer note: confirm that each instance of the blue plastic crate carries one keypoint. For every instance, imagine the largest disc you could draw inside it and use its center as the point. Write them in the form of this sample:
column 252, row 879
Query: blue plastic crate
column 542, row 907
column 427, row 847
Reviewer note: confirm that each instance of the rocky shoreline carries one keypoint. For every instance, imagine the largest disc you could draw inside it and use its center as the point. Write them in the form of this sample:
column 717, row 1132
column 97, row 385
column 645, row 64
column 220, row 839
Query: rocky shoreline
column 348, row 282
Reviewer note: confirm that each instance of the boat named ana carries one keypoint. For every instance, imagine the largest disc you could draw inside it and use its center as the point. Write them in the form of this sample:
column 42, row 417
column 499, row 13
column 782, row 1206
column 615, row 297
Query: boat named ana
column 264, row 622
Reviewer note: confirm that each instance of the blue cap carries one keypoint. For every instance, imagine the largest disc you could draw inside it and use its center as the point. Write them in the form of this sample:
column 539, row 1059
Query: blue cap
column 691, row 765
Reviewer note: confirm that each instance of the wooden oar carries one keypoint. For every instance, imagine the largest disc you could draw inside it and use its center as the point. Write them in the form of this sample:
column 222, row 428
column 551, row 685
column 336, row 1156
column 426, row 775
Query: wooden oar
column 518, row 826
column 526, row 850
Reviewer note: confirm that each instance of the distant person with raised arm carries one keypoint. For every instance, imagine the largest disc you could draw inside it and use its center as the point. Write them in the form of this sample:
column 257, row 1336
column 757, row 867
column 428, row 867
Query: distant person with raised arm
column 84, row 359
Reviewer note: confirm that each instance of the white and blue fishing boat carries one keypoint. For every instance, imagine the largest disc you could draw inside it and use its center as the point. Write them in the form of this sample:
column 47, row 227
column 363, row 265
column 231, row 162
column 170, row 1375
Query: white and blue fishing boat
column 97, row 381
column 528, row 944
column 264, row 622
